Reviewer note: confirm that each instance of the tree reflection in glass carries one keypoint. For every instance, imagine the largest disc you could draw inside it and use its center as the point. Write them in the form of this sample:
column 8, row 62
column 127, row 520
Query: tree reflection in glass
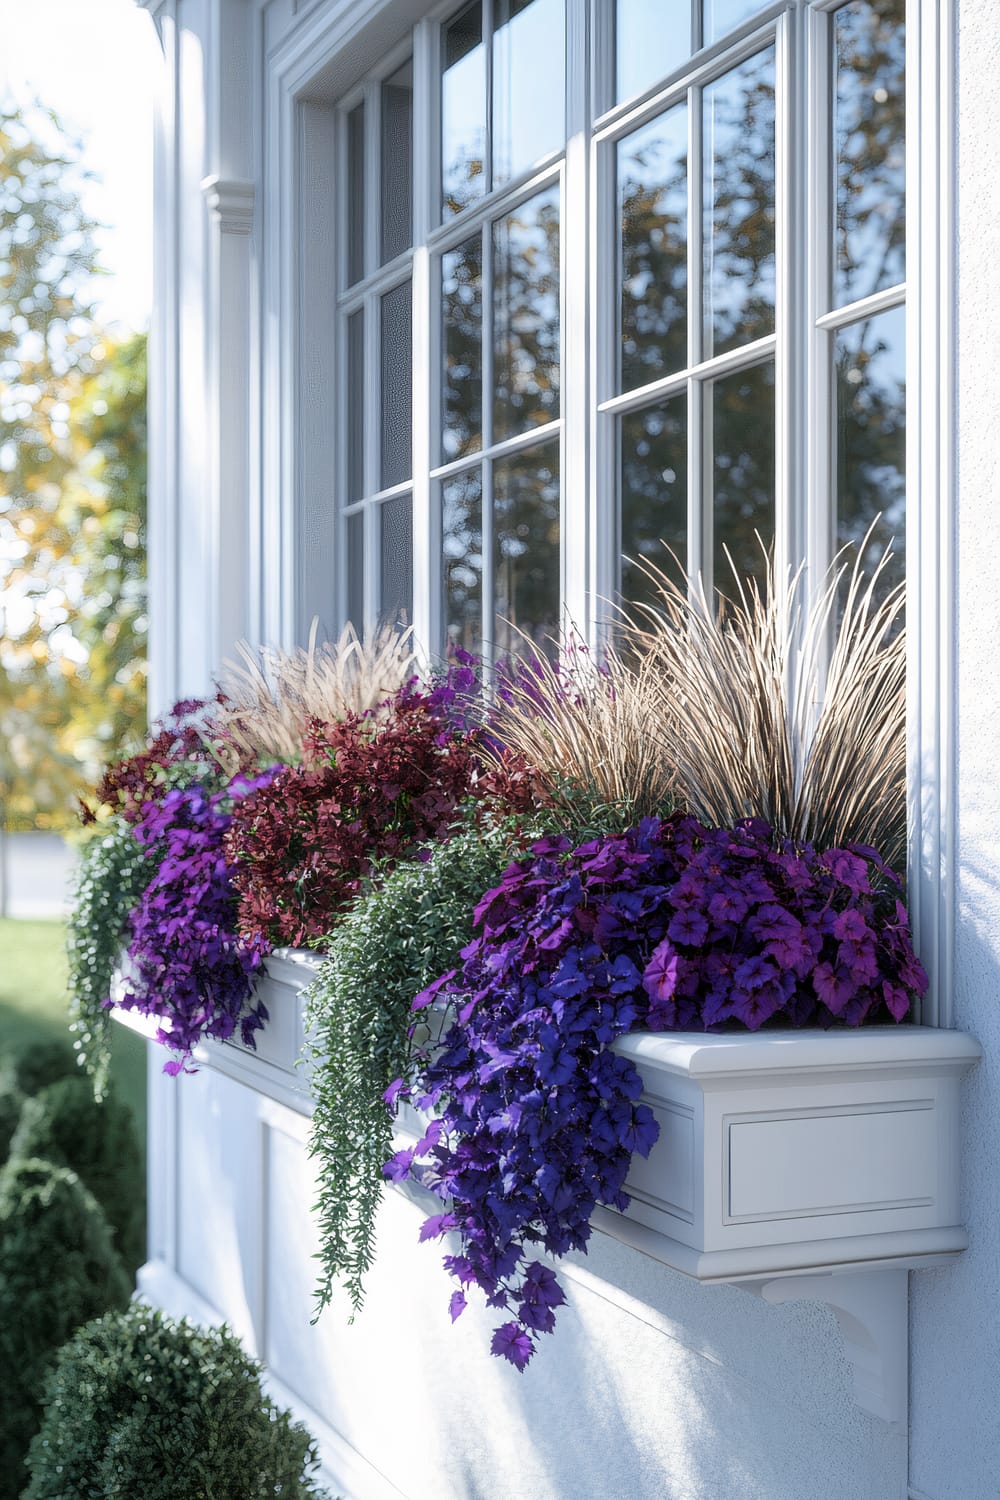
column 462, row 317
column 869, row 150
column 526, row 549
column 526, row 338
column 653, row 495
column 870, row 360
column 652, row 202
column 529, row 101
column 463, row 109
column 462, row 538
column 739, row 196
column 742, row 474
column 646, row 50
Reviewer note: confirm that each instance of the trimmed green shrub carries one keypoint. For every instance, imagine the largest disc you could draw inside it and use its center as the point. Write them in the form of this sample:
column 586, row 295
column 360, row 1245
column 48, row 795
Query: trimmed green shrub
column 65, row 1124
column 58, row 1269
column 11, row 1100
column 39, row 1065
column 140, row 1407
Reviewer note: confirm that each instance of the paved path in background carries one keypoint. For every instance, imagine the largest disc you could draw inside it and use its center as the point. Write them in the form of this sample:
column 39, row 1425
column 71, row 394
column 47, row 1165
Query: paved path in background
column 35, row 875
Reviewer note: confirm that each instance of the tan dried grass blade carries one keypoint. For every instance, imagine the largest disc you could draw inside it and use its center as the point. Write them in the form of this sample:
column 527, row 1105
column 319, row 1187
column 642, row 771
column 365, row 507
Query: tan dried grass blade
column 585, row 731
column 270, row 696
column 769, row 709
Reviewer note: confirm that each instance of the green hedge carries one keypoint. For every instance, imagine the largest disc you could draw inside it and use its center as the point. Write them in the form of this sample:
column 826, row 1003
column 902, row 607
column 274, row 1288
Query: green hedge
column 139, row 1407
column 64, row 1124
column 58, row 1269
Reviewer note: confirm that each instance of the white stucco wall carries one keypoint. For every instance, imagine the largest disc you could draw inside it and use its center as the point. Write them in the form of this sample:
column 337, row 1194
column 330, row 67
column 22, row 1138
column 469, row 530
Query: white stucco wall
column 652, row 1387
column 955, row 1314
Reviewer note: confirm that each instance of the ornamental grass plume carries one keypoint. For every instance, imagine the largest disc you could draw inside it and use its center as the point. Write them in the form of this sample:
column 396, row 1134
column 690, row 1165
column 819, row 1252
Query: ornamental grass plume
column 582, row 726
column 271, row 698
column 767, row 707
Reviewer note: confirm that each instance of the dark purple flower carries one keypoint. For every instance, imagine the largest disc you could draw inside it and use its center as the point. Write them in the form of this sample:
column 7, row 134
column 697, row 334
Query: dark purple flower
column 512, row 1343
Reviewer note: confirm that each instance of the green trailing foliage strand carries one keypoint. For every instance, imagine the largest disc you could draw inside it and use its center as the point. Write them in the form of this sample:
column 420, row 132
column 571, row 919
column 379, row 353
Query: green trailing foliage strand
column 111, row 877
column 392, row 943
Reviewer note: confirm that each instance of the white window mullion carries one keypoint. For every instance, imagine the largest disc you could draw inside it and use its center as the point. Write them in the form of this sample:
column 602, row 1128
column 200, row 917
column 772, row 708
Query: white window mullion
column 372, row 457
column 426, row 349
column 793, row 303
column 486, row 515
column 699, row 527
column 817, row 538
column 574, row 397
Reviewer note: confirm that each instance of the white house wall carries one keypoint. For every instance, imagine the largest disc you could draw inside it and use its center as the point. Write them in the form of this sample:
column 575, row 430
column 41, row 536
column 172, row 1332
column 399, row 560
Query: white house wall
column 653, row 1386
column 955, row 1315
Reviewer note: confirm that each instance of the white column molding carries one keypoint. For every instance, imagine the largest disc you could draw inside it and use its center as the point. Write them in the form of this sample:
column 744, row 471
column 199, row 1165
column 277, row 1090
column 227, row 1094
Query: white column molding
column 230, row 203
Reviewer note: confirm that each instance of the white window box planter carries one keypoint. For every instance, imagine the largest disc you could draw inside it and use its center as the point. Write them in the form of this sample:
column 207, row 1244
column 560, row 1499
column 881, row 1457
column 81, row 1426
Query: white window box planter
column 798, row 1163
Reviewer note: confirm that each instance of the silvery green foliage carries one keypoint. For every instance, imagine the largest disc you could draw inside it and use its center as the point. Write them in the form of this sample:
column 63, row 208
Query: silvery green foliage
column 112, row 874
column 389, row 946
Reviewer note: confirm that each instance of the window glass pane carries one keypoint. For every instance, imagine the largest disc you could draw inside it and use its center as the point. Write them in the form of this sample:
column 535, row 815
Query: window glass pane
column 395, row 415
column 526, row 316
column 462, row 545
column 652, row 202
column 462, row 315
column 355, row 434
column 869, row 47
column 871, row 435
column 739, row 205
column 356, row 569
column 356, row 194
column 725, row 15
column 397, row 162
column 526, row 548
column 396, row 539
column 742, row 474
column 463, row 109
column 653, row 495
column 646, row 47
column 529, row 96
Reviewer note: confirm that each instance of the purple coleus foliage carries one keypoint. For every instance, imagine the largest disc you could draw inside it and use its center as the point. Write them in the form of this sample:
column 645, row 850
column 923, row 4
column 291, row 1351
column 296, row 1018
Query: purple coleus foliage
column 669, row 926
column 186, row 963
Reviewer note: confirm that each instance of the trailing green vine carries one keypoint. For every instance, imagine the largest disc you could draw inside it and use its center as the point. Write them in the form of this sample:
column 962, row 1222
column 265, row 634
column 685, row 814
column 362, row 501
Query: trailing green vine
column 111, row 877
column 391, row 944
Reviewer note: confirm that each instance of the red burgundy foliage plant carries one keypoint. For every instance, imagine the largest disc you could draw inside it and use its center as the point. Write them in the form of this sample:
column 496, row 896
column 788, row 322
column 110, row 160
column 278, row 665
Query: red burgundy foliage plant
column 372, row 789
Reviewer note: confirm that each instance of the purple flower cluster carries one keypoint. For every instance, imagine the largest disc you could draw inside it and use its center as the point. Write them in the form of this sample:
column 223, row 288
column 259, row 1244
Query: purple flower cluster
column 186, row 963
column 670, row 925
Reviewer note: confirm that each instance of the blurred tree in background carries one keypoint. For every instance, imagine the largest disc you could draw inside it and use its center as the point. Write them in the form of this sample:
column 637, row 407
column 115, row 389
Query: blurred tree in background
column 72, row 491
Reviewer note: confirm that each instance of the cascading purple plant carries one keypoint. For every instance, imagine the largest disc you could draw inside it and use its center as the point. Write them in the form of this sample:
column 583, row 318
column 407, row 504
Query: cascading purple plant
column 186, row 963
column 669, row 926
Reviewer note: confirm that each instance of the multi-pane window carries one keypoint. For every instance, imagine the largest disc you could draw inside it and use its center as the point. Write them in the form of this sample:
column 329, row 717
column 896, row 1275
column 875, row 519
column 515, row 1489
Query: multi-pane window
column 708, row 218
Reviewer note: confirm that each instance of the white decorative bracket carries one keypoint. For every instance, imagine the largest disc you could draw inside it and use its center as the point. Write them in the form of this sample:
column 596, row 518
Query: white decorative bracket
column 230, row 202
column 872, row 1308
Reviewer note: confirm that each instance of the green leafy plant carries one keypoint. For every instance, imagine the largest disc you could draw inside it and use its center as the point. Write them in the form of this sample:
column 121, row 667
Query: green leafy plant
column 11, row 1101
column 391, row 944
column 139, row 1405
column 112, row 874
column 58, row 1269
column 38, row 1065
column 64, row 1124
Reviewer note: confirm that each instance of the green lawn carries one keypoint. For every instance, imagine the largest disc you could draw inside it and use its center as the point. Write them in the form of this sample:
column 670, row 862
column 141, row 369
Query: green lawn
column 33, row 1006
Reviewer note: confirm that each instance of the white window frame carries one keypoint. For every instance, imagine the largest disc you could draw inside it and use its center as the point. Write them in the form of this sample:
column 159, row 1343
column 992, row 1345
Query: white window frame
column 317, row 63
